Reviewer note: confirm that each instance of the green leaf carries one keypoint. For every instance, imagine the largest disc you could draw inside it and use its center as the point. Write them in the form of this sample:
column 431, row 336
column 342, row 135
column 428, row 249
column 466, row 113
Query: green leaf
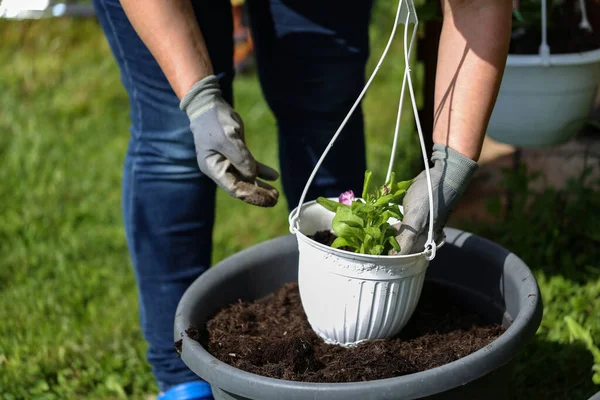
column 392, row 240
column 330, row 204
column 365, row 210
column 357, row 206
column 366, row 184
column 342, row 228
column 381, row 219
column 368, row 241
column 352, row 224
column 340, row 242
column 346, row 214
column 374, row 232
column 398, row 195
column 394, row 213
column 385, row 200
column 404, row 185
column 377, row 250
column 347, row 232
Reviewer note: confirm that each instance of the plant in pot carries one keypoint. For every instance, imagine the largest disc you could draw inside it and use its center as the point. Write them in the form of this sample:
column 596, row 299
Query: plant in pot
column 551, row 77
column 358, row 287
column 353, row 282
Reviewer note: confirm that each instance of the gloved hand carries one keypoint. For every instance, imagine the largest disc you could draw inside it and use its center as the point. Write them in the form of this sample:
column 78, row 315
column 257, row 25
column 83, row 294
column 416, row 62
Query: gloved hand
column 450, row 176
column 221, row 150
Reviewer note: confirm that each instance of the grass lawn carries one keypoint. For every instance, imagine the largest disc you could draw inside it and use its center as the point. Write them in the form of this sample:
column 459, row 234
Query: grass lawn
column 67, row 295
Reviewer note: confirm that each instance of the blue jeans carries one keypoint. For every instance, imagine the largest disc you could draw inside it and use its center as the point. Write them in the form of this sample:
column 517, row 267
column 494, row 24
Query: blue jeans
column 311, row 58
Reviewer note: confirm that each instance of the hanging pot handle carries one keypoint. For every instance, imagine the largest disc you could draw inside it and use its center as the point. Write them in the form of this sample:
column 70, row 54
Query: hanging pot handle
column 585, row 22
column 405, row 16
column 544, row 48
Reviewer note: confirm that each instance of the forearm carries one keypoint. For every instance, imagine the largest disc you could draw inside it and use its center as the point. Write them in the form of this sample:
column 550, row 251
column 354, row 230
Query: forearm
column 471, row 58
column 170, row 31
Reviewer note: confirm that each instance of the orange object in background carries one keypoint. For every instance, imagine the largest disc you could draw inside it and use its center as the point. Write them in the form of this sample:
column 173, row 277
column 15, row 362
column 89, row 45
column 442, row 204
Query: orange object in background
column 243, row 45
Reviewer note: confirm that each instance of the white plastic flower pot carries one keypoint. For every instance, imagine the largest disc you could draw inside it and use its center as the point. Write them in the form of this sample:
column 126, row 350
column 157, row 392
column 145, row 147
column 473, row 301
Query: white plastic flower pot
column 543, row 105
column 545, row 99
column 349, row 297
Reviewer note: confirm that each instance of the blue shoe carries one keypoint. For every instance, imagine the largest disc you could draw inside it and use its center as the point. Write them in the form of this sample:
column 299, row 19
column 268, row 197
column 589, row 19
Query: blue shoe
column 197, row 390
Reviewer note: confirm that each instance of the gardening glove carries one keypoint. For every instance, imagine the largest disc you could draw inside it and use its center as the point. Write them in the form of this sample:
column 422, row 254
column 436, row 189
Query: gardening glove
column 221, row 150
column 450, row 176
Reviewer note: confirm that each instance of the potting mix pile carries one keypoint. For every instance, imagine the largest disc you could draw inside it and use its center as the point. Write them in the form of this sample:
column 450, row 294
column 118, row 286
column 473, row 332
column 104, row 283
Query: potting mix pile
column 272, row 337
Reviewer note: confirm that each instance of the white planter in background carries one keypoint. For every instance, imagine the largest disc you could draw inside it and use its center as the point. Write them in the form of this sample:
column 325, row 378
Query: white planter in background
column 349, row 297
column 544, row 101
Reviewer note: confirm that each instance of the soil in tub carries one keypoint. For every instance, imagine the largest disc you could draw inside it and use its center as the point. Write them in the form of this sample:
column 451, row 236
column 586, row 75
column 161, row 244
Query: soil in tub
column 271, row 337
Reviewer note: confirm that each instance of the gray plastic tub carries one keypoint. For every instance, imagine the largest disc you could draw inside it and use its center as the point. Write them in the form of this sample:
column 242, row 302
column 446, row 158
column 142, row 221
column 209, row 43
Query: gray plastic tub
column 489, row 278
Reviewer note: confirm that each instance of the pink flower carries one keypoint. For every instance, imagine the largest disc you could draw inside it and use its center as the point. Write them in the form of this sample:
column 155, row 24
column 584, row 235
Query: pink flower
column 347, row 197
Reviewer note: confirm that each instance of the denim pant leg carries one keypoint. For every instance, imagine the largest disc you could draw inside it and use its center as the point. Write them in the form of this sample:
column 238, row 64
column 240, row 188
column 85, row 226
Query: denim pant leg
column 168, row 205
column 311, row 57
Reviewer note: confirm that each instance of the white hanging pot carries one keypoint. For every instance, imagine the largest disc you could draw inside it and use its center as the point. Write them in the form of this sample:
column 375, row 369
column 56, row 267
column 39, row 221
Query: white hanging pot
column 545, row 99
column 350, row 297
column 544, row 105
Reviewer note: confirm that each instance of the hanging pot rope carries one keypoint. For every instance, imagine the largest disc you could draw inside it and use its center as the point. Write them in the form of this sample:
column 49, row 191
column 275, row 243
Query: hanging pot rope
column 585, row 23
column 405, row 14
column 544, row 47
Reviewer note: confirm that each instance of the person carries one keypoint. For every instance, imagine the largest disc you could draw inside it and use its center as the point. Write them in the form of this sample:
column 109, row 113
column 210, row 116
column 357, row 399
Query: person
column 187, row 140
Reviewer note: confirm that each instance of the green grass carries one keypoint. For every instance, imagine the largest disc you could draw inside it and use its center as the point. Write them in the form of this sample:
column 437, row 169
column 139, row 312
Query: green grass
column 67, row 295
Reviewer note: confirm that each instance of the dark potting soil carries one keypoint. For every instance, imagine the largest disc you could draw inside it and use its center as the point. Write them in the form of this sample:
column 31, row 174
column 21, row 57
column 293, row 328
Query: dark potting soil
column 327, row 238
column 324, row 237
column 272, row 337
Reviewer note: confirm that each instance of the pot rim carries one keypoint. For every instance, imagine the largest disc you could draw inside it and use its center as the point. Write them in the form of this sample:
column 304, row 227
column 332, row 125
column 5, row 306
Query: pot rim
column 416, row 385
column 565, row 59
column 358, row 256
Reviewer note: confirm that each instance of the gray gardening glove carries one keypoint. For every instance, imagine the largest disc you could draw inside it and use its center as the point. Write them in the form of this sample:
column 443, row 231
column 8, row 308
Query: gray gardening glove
column 220, row 146
column 450, row 176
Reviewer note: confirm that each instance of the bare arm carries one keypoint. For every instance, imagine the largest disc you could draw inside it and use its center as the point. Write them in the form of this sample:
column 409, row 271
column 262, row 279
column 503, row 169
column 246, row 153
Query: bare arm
column 471, row 58
column 170, row 31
